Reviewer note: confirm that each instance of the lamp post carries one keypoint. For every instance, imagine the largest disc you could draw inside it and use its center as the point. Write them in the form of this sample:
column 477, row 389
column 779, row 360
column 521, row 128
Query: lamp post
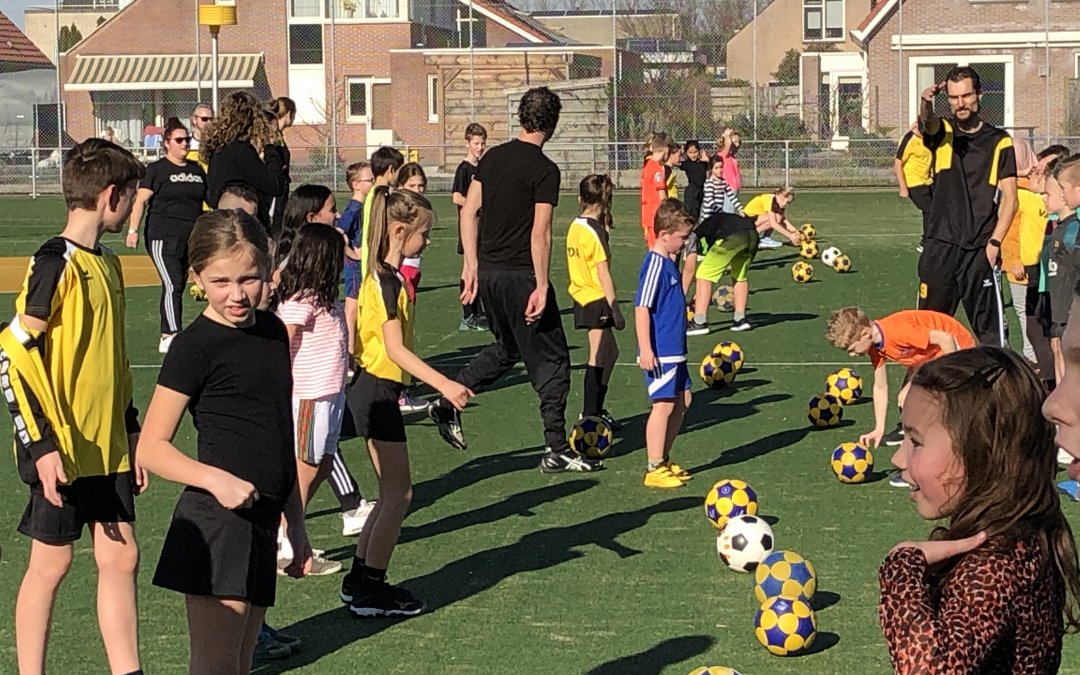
column 214, row 17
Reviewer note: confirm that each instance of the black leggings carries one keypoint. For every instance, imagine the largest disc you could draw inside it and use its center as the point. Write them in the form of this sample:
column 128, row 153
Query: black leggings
column 170, row 257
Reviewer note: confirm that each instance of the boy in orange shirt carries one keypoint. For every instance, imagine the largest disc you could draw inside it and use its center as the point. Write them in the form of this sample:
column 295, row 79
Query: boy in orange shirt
column 910, row 337
column 653, row 183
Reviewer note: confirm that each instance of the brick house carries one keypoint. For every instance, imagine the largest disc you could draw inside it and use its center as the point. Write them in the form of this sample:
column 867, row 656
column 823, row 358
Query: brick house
column 28, row 116
column 1026, row 63
column 370, row 72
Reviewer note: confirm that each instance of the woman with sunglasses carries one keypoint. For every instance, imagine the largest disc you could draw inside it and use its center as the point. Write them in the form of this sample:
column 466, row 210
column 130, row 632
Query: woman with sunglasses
column 171, row 195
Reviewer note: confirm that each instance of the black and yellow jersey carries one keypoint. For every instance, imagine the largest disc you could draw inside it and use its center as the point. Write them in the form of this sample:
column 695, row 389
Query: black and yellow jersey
column 967, row 169
column 762, row 204
column 671, row 182
column 383, row 298
column 586, row 246
column 82, row 404
column 917, row 160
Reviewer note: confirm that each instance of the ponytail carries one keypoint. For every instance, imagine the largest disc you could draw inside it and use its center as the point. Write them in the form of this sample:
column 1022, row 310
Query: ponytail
column 597, row 190
column 400, row 206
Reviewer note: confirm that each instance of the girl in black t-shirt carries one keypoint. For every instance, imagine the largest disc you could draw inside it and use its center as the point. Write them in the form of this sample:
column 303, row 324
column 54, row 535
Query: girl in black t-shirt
column 231, row 370
column 172, row 194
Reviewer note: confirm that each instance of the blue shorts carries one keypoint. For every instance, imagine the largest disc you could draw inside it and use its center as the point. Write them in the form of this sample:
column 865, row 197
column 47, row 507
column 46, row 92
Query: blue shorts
column 352, row 279
column 668, row 381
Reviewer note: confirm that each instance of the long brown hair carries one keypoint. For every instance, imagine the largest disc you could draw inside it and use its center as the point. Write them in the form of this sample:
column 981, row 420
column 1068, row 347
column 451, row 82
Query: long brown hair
column 596, row 190
column 400, row 206
column 241, row 119
column 990, row 403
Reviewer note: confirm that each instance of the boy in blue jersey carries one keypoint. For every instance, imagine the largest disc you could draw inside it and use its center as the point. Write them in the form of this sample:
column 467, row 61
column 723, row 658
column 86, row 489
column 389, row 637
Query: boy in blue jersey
column 360, row 179
column 660, row 318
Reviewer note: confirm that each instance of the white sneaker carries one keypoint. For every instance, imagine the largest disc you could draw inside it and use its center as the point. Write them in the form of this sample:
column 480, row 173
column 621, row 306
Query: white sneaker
column 320, row 566
column 165, row 342
column 352, row 522
column 1064, row 458
column 769, row 242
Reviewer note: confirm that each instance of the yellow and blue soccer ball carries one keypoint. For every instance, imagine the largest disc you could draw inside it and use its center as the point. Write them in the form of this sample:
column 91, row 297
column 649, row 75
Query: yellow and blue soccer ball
column 845, row 384
column 852, row 463
column 824, row 410
column 724, row 298
column 802, row 271
column 785, row 626
column 714, row 670
column 842, row 263
column 715, row 372
column 808, row 249
column 728, row 498
column 196, row 293
column 591, row 437
column 730, row 352
column 808, row 232
column 785, row 574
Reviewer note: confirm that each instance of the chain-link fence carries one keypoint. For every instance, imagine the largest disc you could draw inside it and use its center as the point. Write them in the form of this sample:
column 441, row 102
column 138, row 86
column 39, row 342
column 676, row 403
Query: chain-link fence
column 819, row 90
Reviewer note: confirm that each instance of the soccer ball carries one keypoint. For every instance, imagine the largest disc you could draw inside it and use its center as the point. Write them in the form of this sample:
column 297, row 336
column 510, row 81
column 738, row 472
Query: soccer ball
column 808, row 232
column 744, row 542
column 591, row 437
column 808, row 249
column 729, row 498
column 197, row 293
column 802, row 271
column 785, row 574
column 730, row 352
column 724, row 299
column 714, row 670
column 842, row 263
column 824, row 410
column 785, row 627
column 715, row 372
column 689, row 314
column 829, row 255
column 852, row 463
column 845, row 384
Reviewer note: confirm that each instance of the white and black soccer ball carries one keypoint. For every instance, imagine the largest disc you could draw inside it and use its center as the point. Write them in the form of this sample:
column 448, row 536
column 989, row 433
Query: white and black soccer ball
column 744, row 542
column 829, row 255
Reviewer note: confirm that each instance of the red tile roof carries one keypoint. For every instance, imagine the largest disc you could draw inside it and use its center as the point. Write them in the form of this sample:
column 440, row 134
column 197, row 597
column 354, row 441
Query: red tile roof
column 522, row 23
column 16, row 50
column 873, row 20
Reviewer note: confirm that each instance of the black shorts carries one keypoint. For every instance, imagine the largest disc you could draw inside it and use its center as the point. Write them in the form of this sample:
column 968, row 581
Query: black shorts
column 596, row 314
column 372, row 405
column 91, row 499
column 210, row 550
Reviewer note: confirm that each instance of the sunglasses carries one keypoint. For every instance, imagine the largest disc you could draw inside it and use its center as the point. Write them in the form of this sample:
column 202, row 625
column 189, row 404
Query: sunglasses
column 180, row 140
column 204, row 119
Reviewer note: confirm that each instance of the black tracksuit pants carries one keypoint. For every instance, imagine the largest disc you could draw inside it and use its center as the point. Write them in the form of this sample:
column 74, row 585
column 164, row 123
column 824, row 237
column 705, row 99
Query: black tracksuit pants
column 541, row 345
column 170, row 257
column 950, row 276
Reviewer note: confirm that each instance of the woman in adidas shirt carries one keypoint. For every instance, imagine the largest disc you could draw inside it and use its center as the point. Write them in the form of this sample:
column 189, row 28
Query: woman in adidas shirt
column 171, row 194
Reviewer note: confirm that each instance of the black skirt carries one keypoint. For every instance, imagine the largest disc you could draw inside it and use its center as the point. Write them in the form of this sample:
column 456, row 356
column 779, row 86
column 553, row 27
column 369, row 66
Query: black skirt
column 210, row 550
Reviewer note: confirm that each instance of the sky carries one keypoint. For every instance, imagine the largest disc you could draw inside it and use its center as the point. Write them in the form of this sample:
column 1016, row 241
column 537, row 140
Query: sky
column 14, row 9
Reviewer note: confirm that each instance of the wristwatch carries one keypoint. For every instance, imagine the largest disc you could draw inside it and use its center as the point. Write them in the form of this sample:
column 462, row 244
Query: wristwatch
column 133, row 231
column 995, row 242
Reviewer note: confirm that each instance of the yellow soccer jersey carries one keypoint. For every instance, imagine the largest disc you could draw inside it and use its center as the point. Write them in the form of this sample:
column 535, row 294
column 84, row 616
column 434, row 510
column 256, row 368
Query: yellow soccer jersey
column 672, row 186
column 382, row 298
column 762, row 204
column 586, row 246
column 917, row 160
column 80, row 293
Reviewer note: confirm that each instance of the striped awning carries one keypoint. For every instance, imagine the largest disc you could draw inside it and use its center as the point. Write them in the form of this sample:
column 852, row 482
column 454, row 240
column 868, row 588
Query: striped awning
column 178, row 71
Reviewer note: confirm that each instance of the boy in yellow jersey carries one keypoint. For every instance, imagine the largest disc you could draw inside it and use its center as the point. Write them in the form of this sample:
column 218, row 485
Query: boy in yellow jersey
column 768, row 210
column 68, row 385
column 914, row 169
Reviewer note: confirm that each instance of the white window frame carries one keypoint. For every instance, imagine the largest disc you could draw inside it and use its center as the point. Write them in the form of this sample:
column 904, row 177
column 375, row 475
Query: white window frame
column 361, row 13
column 1076, row 65
column 822, row 7
column 349, row 82
column 433, row 98
column 914, row 94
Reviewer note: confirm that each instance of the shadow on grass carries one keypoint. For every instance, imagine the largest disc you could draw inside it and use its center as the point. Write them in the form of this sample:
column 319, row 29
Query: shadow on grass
column 473, row 471
column 780, row 261
column 823, row 642
column 428, row 289
column 767, row 319
column 334, row 629
column 824, row 600
column 453, row 362
column 655, row 659
column 754, row 449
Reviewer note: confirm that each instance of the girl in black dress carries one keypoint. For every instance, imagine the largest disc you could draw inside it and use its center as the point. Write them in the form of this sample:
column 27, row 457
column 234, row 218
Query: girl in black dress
column 231, row 370
column 281, row 114
column 696, row 167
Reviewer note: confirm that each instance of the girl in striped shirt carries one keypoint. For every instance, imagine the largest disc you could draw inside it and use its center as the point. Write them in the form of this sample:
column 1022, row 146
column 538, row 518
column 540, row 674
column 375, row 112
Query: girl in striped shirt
column 718, row 196
column 318, row 343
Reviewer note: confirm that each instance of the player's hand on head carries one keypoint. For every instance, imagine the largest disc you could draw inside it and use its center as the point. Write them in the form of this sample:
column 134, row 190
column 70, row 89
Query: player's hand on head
column 943, row 549
column 50, row 470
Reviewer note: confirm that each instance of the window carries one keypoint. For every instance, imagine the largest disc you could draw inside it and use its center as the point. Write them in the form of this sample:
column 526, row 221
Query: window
column 472, row 28
column 305, row 44
column 305, row 9
column 823, row 20
column 433, row 98
column 357, row 99
column 995, row 74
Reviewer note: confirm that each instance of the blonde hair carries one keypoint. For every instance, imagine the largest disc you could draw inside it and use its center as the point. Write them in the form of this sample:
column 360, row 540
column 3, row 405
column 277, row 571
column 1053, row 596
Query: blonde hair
column 672, row 217
column 844, row 326
column 786, row 191
column 657, row 141
column 352, row 174
column 412, row 209
column 224, row 232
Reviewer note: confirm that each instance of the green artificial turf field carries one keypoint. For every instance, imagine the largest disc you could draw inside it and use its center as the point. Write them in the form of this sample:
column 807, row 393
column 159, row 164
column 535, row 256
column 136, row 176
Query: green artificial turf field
column 576, row 573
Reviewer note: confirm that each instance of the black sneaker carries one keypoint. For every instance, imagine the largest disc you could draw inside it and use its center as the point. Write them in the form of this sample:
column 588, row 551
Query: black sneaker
column 349, row 589
column 449, row 422
column 386, row 600
column 567, row 460
column 610, row 421
column 695, row 328
column 894, row 437
column 480, row 322
column 740, row 325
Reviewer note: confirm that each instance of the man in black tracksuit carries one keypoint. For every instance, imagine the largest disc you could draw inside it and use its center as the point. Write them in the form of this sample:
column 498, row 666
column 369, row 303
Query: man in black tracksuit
column 506, row 263
column 973, row 207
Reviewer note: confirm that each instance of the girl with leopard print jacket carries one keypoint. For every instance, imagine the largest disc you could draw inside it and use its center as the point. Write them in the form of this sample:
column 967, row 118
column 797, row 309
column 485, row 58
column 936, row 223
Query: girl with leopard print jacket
column 993, row 590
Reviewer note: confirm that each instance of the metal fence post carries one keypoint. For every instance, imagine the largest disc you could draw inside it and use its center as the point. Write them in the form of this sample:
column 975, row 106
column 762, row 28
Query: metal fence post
column 33, row 173
column 787, row 163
